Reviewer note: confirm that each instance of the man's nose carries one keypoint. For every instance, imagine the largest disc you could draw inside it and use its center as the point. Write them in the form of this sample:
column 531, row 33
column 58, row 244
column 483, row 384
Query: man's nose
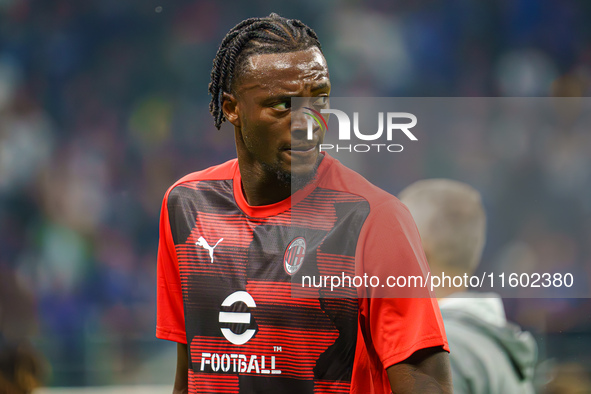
column 299, row 121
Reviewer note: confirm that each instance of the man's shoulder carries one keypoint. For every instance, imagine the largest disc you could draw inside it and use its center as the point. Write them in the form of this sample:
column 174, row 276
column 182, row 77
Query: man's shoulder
column 220, row 172
column 343, row 179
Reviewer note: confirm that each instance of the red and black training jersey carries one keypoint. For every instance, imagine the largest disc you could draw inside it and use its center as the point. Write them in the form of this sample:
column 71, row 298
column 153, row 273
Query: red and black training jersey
column 227, row 272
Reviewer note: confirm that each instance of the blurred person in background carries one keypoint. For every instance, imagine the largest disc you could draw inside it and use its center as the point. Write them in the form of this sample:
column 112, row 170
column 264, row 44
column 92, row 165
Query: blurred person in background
column 488, row 353
column 227, row 242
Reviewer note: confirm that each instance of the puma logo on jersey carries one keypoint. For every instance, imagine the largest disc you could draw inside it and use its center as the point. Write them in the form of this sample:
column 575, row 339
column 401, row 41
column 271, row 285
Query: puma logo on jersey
column 203, row 243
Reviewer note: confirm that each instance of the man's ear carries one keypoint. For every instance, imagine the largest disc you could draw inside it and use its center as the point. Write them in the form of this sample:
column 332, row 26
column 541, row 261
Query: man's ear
column 230, row 109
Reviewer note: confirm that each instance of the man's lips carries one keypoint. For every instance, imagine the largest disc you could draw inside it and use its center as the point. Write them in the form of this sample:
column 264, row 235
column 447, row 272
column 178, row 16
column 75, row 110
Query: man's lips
column 301, row 146
column 305, row 148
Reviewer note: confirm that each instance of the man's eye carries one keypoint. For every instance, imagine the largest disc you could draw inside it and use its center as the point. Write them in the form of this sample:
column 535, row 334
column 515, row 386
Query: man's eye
column 282, row 105
column 321, row 102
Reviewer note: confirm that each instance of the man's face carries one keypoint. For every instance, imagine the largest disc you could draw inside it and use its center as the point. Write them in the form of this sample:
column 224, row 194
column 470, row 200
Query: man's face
column 271, row 135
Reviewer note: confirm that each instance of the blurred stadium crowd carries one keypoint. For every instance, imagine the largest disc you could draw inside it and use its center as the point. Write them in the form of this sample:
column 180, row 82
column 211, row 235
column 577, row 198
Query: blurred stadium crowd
column 103, row 105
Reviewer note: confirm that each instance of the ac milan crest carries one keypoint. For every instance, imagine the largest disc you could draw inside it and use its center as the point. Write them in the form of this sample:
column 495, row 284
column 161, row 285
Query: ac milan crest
column 294, row 255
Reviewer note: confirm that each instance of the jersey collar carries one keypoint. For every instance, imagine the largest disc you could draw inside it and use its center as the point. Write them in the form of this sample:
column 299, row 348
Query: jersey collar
column 262, row 211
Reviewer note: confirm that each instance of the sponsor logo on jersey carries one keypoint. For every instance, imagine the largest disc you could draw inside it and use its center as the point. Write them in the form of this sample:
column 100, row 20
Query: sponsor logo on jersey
column 239, row 363
column 236, row 362
column 294, row 255
column 237, row 317
column 205, row 245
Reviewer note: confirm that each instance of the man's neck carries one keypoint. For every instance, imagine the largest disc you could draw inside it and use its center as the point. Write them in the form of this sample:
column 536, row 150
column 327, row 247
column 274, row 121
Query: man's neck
column 263, row 187
column 261, row 191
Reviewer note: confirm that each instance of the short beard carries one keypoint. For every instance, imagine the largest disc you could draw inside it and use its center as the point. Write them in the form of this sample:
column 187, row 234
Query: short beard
column 287, row 178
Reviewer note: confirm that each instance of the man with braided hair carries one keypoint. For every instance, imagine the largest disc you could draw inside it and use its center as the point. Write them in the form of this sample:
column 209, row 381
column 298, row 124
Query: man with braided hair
column 234, row 236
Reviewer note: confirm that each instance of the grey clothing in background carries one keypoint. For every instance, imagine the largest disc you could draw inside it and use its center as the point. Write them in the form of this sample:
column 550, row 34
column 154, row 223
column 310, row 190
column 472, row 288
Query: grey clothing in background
column 488, row 354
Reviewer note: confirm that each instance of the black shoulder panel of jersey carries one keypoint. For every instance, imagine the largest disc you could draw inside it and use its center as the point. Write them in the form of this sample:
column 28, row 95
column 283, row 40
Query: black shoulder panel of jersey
column 187, row 200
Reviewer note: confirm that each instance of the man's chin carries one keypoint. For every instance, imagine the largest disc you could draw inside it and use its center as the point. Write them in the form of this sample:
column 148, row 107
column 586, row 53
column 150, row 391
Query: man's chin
column 297, row 176
column 304, row 173
column 301, row 179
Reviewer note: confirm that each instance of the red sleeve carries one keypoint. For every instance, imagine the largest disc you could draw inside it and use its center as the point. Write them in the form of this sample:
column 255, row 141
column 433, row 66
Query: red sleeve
column 170, row 317
column 399, row 321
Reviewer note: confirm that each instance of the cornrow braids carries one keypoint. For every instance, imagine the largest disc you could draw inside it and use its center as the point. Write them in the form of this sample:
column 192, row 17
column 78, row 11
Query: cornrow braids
column 271, row 34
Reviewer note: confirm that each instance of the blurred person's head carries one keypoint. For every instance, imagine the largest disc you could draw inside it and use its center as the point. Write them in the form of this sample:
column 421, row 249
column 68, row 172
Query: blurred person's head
column 21, row 367
column 452, row 224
